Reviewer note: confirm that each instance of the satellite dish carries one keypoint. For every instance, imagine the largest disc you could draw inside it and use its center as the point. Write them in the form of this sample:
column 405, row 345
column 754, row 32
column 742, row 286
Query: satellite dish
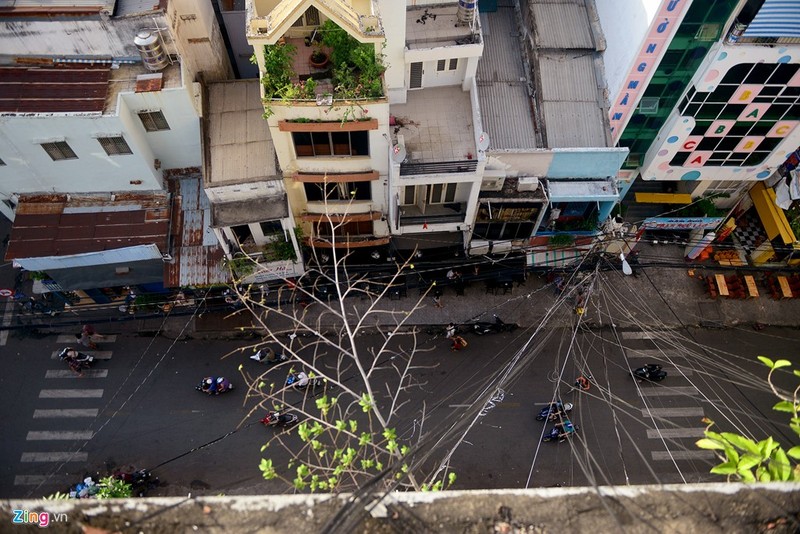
column 483, row 141
column 398, row 153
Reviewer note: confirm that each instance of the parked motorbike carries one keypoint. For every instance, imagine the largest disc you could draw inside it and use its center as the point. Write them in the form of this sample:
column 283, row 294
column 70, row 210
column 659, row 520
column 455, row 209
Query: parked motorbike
column 553, row 411
column 561, row 431
column 485, row 327
column 651, row 372
column 302, row 381
column 262, row 356
column 141, row 481
column 214, row 385
column 280, row 420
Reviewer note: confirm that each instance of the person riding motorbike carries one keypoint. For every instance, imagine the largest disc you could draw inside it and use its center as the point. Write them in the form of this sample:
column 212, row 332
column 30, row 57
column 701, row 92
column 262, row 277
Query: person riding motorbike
column 565, row 428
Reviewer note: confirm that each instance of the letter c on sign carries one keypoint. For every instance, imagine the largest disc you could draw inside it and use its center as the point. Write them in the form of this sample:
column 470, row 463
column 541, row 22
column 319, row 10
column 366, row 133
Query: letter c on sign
column 689, row 145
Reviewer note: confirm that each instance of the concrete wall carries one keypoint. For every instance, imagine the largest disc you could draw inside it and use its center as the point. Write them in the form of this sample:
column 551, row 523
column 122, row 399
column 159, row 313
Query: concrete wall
column 179, row 146
column 198, row 39
column 625, row 24
column 242, row 50
column 29, row 169
column 393, row 15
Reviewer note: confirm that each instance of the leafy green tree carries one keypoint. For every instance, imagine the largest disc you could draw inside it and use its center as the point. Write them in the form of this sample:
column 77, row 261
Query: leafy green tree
column 764, row 461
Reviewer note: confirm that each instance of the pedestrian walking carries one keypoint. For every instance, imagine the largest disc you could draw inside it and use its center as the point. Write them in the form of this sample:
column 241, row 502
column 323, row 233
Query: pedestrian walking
column 451, row 331
column 437, row 298
column 85, row 338
column 458, row 343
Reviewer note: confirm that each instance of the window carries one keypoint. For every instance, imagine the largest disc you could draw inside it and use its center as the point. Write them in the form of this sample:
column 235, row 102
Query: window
column 59, row 150
column 453, row 65
column 318, row 192
column 326, row 229
column 440, row 65
column 153, row 121
column 441, row 193
column 321, row 144
column 309, row 18
column 114, row 146
column 409, row 195
column 269, row 228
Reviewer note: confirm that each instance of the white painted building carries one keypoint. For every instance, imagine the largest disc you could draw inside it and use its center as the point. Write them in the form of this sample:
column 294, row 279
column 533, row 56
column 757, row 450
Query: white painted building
column 80, row 113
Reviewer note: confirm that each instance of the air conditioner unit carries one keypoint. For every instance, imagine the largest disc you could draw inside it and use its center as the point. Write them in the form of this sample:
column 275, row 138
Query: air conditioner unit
column 492, row 184
column 528, row 183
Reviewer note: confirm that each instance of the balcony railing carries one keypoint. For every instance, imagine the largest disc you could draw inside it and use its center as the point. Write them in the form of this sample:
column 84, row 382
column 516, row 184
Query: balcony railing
column 438, row 167
column 434, row 214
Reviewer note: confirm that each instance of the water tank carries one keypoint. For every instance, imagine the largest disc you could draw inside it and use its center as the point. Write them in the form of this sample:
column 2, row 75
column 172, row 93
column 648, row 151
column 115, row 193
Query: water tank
column 152, row 51
column 466, row 12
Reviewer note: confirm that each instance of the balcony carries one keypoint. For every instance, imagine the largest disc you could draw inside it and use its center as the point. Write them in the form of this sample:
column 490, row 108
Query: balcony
column 434, row 214
column 349, row 241
column 436, row 127
column 436, row 25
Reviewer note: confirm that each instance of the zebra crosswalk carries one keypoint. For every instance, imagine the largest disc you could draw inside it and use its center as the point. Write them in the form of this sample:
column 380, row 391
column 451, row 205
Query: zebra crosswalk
column 64, row 399
column 669, row 403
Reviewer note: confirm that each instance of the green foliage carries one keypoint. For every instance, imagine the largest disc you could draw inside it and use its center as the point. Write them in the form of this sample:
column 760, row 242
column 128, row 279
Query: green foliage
column 764, row 461
column 114, row 488
column 57, row 496
column 561, row 240
column 242, row 265
column 279, row 249
column 356, row 69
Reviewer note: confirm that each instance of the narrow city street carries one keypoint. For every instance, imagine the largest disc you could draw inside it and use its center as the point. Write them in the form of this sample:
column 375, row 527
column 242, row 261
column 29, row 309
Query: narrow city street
column 138, row 407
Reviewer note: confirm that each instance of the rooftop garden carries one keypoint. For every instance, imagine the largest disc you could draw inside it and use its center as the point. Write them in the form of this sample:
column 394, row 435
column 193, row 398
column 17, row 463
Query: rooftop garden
column 339, row 66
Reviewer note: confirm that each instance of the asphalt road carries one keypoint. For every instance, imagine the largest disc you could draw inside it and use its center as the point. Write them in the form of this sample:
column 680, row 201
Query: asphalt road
column 142, row 410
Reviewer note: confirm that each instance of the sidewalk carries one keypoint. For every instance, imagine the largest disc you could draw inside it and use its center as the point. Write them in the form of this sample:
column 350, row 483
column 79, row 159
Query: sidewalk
column 661, row 294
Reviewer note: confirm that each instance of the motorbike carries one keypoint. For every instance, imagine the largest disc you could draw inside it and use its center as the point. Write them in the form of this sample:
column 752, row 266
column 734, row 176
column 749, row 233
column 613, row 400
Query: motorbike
column 302, row 381
column 261, row 357
column 560, row 431
column 651, row 372
column 280, row 420
column 141, row 481
column 485, row 327
column 214, row 385
column 75, row 359
column 553, row 411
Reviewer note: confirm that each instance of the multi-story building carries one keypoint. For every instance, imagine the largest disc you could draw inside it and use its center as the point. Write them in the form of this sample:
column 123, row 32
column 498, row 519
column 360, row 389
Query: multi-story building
column 454, row 148
column 706, row 95
column 99, row 101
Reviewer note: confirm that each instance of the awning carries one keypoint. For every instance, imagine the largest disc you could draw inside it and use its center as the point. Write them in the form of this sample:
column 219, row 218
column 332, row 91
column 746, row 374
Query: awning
column 772, row 217
column 582, row 191
column 428, row 240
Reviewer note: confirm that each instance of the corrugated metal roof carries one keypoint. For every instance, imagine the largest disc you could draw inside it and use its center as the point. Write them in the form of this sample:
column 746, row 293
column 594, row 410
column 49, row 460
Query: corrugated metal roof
column 56, row 89
column 502, row 84
column 51, row 6
column 197, row 255
column 60, row 225
column 240, row 145
column 138, row 7
column 568, row 77
column 562, row 25
column 574, row 125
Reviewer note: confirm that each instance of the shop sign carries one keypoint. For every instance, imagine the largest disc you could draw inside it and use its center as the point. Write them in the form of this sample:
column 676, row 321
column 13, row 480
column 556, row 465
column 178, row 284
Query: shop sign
column 680, row 223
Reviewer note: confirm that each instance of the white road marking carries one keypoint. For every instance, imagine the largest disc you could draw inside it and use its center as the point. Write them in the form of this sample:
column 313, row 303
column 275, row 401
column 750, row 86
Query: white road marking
column 29, row 457
column 675, row 433
column 640, row 335
column 38, row 480
column 67, row 373
column 59, row 435
column 668, row 391
column 683, row 455
column 70, row 393
column 70, row 338
column 98, row 354
column 8, row 313
column 67, row 412
column 672, row 412
column 651, row 354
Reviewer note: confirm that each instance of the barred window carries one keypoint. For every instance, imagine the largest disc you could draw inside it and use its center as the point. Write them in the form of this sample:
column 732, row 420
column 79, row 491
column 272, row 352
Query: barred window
column 114, row 146
column 153, row 121
column 59, row 150
column 453, row 64
column 440, row 65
